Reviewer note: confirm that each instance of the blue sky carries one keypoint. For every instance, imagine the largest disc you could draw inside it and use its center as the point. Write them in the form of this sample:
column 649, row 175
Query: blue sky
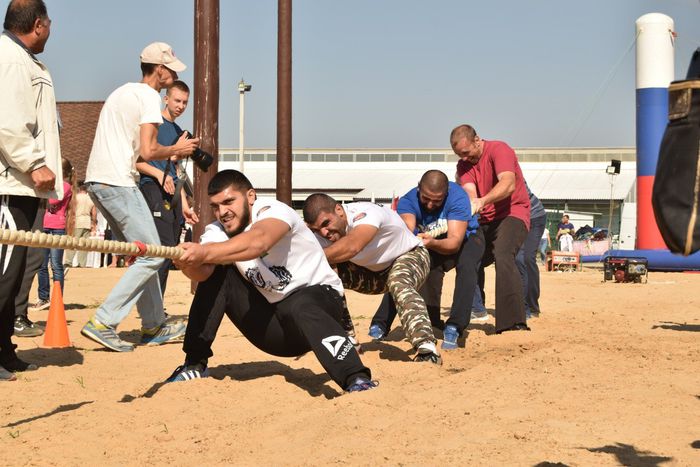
column 389, row 73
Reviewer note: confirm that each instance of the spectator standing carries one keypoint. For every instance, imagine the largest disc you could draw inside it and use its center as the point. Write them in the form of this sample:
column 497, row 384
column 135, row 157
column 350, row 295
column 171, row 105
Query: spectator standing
column 126, row 130
column 545, row 243
column 85, row 225
column 565, row 232
column 160, row 184
column 55, row 221
column 29, row 149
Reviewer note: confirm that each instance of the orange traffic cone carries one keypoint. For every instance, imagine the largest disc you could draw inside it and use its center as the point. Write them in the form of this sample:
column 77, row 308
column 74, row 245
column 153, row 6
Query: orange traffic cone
column 56, row 334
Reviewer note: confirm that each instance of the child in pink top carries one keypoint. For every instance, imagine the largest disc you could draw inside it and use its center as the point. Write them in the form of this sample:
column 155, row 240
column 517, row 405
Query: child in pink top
column 56, row 221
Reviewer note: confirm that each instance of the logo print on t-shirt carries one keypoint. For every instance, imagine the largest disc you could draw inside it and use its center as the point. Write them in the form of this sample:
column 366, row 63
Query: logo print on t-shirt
column 254, row 276
column 283, row 275
column 361, row 215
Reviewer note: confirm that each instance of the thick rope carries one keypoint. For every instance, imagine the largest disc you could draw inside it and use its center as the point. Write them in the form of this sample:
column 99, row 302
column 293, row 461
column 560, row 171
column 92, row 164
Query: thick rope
column 64, row 242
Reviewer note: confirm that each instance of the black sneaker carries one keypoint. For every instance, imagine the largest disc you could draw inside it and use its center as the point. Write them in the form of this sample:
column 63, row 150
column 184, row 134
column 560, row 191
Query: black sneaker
column 14, row 364
column 515, row 327
column 25, row 328
column 188, row 372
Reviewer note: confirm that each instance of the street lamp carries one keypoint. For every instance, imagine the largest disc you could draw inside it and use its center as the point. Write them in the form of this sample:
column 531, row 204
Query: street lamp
column 613, row 170
column 242, row 89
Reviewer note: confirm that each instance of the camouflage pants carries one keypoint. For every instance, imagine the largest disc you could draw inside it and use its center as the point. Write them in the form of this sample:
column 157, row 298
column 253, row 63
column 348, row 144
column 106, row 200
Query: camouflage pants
column 402, row 280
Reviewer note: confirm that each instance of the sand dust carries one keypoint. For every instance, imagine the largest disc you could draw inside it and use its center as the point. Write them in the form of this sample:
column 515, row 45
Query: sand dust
column 609, row 375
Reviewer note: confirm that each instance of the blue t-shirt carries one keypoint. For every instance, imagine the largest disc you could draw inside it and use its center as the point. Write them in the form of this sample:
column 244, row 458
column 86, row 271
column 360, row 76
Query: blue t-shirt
column 456, row 207
column 536, row 207
column 168, row 133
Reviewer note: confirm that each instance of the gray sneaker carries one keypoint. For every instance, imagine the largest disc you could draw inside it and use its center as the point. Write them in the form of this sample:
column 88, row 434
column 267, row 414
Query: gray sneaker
column 169, row 331
column 479, row 317
column 6, row 375
column 105, row 335
column 40, row 305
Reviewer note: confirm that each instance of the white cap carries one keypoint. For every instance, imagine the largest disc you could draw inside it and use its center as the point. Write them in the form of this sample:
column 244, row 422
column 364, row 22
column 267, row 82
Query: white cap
column 160, row 53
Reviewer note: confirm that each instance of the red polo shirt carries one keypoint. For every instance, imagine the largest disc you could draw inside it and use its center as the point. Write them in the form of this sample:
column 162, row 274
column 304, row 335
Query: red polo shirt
column 497, row 157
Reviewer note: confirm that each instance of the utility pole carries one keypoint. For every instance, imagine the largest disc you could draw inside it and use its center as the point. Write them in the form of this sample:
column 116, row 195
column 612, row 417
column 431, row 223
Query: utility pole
column 206, row 105
column 206, row 102
column 284, row 101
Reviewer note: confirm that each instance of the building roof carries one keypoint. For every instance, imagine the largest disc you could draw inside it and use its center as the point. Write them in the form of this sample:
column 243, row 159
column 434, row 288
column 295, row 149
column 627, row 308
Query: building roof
column 578, row 180
column 381, row 181
column 78, row 123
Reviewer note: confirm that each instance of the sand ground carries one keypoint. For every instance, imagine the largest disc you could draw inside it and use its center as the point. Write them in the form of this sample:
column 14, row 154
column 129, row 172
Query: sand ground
column 609, row 375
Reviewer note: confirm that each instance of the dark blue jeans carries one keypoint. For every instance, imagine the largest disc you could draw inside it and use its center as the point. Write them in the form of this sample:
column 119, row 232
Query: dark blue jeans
column 56, row 258
column 526, row 260
column 466, row 262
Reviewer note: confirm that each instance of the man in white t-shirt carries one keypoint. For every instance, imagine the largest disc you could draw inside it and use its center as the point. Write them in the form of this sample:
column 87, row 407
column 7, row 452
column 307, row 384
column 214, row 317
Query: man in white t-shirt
column 273, row 282
column 126, row 131
column 374, row 252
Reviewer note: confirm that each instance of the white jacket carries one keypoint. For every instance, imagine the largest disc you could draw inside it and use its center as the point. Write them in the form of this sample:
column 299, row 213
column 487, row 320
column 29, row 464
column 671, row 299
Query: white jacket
column 28, row 122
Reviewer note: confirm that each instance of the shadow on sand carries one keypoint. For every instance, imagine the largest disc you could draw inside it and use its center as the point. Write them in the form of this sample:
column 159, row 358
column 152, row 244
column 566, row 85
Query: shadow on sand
column 627, row 454
column 303, row 378
column 68, row 356
column 57, row 410
column 678, row 326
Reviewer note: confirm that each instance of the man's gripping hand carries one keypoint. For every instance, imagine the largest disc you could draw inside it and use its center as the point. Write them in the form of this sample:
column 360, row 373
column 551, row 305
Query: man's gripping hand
column 194, row 255
column 192, row 264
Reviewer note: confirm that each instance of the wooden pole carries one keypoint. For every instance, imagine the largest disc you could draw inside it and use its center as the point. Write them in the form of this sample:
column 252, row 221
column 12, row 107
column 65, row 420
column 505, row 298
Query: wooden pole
column 284, row 101
column 206, row 104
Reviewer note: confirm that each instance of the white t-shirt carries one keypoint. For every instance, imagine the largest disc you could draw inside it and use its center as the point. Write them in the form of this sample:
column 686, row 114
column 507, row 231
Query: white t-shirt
column 391, row 240
column 296, row 261
column 117, row 141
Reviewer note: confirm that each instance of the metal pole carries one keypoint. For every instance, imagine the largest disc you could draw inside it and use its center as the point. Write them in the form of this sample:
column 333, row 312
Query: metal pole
column 241, row 125
column 610, row 214
column 242, row 89
column 284, row 101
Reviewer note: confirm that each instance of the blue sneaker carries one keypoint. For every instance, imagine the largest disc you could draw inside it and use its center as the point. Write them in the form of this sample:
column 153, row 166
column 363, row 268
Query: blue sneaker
column 450, row 336
column 188, row 372
column 376, row 332
column 362, row 384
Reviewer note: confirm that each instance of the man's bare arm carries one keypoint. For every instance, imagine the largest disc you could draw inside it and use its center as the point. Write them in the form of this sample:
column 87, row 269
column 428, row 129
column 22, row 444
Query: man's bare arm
column 151, row 150
column 347, row 247
column 410, row 220
column 450, row 244
column 244, row 246
column 503, row 189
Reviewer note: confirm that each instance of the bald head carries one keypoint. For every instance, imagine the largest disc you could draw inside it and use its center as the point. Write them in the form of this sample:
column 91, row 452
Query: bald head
column 461, row 132
column 434, row 181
